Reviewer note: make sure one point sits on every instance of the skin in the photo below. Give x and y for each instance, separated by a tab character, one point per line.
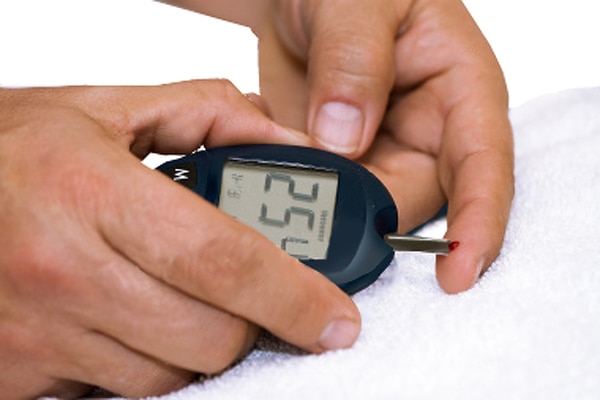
95	275
103	261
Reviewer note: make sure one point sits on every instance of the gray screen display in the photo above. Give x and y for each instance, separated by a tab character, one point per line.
292	206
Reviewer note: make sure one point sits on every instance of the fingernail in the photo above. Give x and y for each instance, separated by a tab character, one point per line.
338	126
478	271
339	334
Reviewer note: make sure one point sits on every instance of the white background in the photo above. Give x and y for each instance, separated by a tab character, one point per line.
544	46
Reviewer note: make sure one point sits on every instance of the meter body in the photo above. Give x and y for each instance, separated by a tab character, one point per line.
328	211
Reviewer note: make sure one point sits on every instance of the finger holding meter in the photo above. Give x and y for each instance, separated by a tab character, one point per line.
328	211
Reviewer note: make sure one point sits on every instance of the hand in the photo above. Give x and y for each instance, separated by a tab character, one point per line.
111	275
413	91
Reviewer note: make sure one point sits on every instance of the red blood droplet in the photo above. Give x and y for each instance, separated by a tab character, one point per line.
453	245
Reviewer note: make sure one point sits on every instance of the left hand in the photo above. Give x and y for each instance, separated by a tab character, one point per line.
413	91
111	274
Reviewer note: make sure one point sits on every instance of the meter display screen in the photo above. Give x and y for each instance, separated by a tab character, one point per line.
292	206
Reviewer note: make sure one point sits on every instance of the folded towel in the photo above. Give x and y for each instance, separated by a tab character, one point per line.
530	329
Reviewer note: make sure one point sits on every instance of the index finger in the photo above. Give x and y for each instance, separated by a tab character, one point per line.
476	170
464	87
479	184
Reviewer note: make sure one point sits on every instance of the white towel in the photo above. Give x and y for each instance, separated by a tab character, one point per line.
530	329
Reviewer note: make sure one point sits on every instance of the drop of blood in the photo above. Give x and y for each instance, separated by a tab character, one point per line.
453	245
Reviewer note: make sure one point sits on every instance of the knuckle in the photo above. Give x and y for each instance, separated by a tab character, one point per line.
26	269
32	273
233	338
364	64
216	95
226	89
38	273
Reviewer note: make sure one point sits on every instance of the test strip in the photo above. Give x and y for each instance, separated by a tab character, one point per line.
418	244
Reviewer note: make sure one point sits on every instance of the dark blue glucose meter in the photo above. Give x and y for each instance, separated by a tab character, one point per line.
328	211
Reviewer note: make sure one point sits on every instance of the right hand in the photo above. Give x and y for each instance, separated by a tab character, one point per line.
113	276
411	90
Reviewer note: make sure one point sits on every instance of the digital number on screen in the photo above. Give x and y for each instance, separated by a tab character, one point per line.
292	206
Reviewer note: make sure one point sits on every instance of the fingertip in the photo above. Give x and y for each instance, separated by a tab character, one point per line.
472	249
343	327
259	103
479	230
289	136
339	334
329	317
459	272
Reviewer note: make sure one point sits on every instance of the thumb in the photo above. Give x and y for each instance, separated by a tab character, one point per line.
177	118
350	72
